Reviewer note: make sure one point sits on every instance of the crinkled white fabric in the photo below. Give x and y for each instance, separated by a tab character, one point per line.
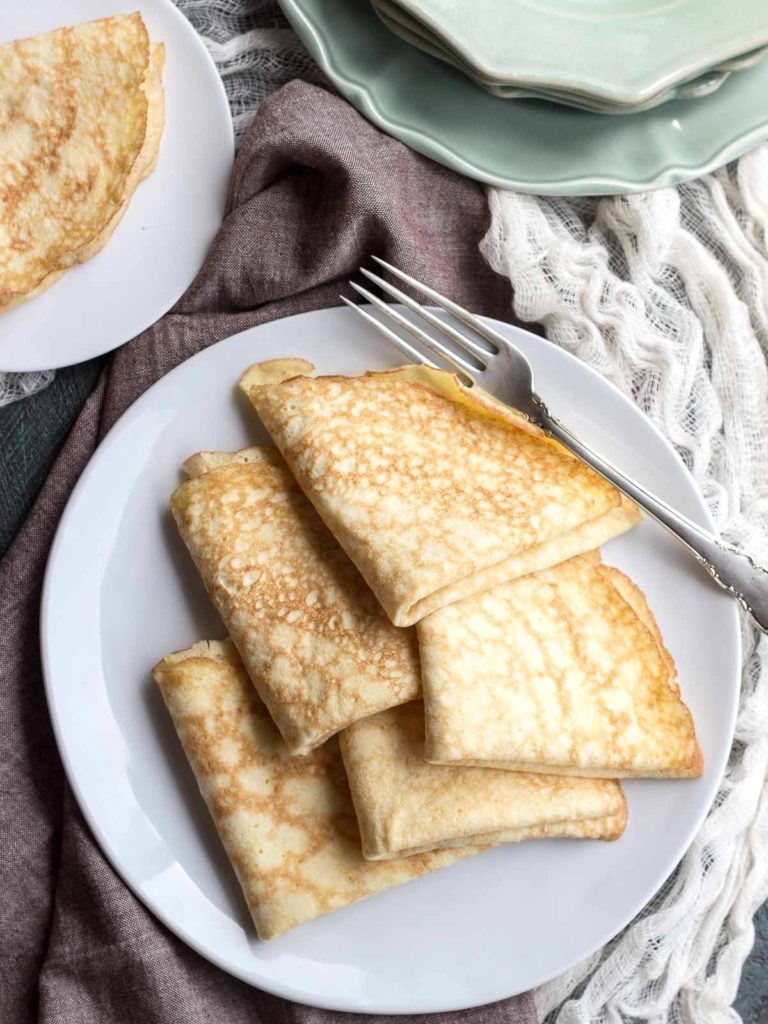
256	52
254	49
14	386
666	295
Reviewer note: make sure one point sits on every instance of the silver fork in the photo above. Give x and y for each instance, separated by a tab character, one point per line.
501	369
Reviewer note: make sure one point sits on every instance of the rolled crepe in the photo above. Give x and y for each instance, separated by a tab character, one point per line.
564	671
434	491
406	806
287	823
319	648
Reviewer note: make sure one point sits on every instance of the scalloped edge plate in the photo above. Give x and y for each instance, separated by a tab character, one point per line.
525	145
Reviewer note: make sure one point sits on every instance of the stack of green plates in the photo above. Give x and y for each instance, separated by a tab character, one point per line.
618	51
606	57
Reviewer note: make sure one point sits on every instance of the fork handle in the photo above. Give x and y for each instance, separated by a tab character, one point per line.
732	569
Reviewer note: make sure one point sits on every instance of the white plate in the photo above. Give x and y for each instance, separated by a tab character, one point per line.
121	591
159	245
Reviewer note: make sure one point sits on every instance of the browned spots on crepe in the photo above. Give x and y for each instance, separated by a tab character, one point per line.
81	115
562	671
318	646
287	822
435	492
405	805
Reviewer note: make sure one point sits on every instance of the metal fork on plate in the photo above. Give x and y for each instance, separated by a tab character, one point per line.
497	366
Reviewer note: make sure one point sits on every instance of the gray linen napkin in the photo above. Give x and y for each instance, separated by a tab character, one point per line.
315	190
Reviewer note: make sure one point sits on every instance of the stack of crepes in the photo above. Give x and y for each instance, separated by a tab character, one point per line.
426	655
81	110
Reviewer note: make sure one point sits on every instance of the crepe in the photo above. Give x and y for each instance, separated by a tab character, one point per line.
319	648
406	806
81	115
435	491
287	823
563	671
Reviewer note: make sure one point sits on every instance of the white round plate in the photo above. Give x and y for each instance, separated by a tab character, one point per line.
121	591
159	245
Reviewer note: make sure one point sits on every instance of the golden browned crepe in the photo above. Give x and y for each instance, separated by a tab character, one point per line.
406	806
435	492
563	671
287	823
319	648
81	115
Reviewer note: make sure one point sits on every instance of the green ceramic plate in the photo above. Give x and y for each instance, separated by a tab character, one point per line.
413	32
620	50
527	145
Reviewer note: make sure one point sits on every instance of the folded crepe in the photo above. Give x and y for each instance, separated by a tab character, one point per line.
435	491
287	823
406	806
82	115
319	648
563	671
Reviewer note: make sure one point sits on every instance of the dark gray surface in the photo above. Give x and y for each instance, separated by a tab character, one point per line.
31	434
752	1000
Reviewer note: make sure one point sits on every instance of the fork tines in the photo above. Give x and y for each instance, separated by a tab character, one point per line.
465	355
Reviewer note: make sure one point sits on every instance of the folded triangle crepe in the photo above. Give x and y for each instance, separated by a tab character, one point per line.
319	648
82	115
563	671
435	491
406	806
287	823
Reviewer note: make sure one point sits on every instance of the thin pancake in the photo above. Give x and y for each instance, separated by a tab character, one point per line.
319	648
406	806
556	672
287	823
81	115
434	491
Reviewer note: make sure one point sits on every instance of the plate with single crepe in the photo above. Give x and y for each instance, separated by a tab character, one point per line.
479	929
101	240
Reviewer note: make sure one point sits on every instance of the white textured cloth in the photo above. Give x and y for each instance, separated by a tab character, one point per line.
14	386
666	295
254	49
